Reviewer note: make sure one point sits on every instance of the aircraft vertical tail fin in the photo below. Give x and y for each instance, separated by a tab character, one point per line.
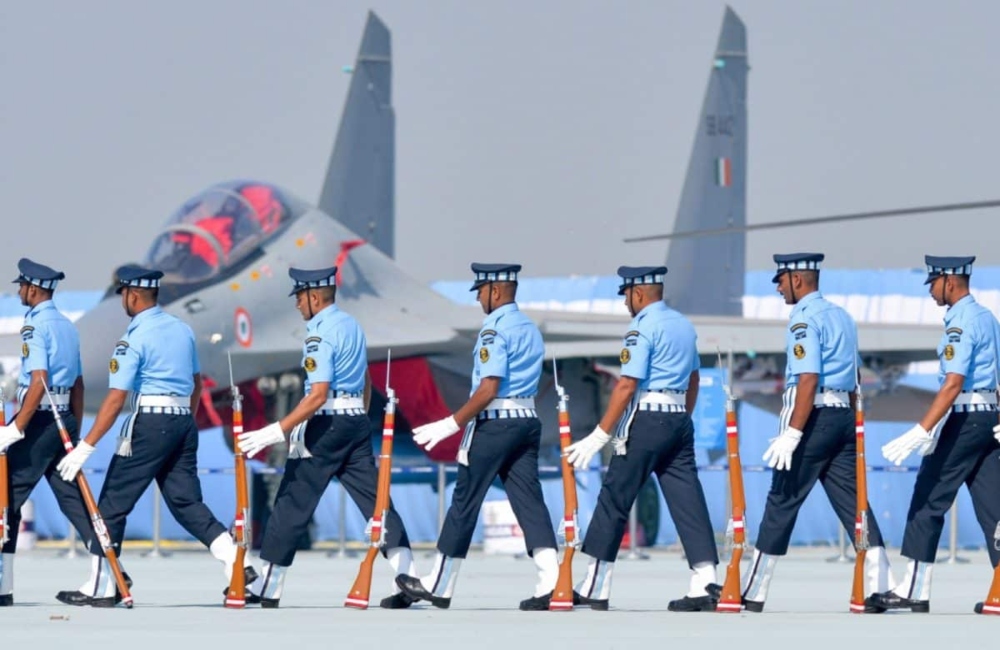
359	187
706	274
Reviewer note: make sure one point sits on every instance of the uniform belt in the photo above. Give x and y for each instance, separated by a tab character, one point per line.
832	398
975	401
663	401
352	405
59	394
164	404
509	407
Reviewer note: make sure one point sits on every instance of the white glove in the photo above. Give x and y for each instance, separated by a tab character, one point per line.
996	432
72	463
916	439
9	435
369	527
779	454
581	452
429	435
253	441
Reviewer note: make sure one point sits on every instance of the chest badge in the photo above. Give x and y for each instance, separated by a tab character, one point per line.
113	366
484	355
309	364
625	356
799	351
949	352
25	350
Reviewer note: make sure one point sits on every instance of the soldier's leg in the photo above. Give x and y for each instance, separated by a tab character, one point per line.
486	455
938	480
181	489
359	477
67	493
678	475
839	481
789	489
124	483
984	488
520	478
26	462
626	476
300	490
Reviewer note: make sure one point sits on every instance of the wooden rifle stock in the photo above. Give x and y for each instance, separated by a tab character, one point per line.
562	595
95	515
360	592
4	481
861	522
731	598
242	536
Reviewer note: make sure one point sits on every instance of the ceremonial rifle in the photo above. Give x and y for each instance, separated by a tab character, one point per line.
731	600
242	526
861	521
562	596
358	596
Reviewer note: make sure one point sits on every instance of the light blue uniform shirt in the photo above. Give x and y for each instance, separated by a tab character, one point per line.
660	349
49	342
157	356
510	348
969	345
335	351
822	339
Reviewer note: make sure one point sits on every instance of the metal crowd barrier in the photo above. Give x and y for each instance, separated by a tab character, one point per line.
441	472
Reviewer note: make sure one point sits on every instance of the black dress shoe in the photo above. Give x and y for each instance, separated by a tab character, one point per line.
688	604
81	599
7	600
715	591
413	588
536	603
593	603
268	603
396	601
889	600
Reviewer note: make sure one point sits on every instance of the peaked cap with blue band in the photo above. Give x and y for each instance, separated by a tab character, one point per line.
312	279
796	262
38	274
132	276
636	275
938	266
493	273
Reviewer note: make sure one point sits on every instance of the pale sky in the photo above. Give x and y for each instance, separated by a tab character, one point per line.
540	132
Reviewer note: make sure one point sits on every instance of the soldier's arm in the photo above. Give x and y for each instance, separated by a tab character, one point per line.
32	398
621	395
805	395
368	389
106	415
944	400
306	408
488	389
76	399
692	391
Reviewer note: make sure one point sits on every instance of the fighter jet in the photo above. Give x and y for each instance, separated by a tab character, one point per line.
226	251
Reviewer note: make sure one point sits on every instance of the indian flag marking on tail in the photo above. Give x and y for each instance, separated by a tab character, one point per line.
723	172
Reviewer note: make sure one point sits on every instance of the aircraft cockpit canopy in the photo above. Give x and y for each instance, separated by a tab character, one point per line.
220	228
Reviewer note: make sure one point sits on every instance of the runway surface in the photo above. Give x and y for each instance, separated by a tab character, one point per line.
178	600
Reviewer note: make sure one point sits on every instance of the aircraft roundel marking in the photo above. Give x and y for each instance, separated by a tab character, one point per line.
243	327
